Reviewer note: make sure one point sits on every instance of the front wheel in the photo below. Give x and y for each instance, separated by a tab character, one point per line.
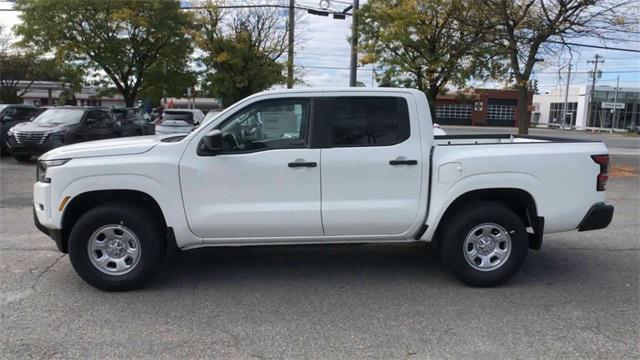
116	246
484	244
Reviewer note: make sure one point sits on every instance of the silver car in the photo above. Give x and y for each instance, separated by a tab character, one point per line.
178	121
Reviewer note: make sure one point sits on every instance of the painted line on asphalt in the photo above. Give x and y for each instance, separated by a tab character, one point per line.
624	151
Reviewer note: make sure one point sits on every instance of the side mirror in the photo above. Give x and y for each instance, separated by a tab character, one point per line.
213	141
90	121
7	118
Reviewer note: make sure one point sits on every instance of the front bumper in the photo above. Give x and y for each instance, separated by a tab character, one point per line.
598	217
54	234
30	148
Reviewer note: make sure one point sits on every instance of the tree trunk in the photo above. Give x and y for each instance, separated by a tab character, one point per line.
431	98
129	99
523	110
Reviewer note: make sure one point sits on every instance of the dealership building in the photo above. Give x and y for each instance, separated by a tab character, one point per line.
610	108
479	107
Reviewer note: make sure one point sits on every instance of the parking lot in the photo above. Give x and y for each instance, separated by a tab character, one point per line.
579	297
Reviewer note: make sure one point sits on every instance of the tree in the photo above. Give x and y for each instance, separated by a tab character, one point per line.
522	31
426	44
122	38
243	52
167	79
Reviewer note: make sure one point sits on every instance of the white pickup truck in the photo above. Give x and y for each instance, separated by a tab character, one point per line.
317	166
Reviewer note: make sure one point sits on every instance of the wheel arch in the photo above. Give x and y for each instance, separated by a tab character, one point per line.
85	201
520	201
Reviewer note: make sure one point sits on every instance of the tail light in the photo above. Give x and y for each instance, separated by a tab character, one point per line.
603	176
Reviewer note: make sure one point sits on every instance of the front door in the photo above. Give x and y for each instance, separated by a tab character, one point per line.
372	168
265	183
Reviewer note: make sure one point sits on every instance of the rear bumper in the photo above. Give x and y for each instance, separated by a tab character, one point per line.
598	217
54	234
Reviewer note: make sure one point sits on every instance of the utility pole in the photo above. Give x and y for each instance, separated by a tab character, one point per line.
566	98
596	59
615	109
291	26
353	73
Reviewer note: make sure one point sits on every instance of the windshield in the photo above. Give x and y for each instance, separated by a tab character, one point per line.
60	116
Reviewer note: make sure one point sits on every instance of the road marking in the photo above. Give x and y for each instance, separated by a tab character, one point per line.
624	151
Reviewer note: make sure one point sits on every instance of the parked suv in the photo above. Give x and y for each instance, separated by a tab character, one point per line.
60	126
10	115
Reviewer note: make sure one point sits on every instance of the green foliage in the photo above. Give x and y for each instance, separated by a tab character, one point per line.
426	44
122	39
18	71
241	54
240	70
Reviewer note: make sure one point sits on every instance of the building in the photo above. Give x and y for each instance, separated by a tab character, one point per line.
611	108
479	107
48	93
203	104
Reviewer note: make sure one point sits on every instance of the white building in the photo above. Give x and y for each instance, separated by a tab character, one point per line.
549	108
47	93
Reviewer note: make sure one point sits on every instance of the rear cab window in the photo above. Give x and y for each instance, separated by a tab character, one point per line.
368	121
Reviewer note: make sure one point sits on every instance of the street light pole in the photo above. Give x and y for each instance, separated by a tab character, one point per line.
291	26
566	98
353	73
615	108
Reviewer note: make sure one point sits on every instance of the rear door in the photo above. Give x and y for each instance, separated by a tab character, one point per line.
371	168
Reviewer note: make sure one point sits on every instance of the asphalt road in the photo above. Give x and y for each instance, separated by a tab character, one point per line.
579	297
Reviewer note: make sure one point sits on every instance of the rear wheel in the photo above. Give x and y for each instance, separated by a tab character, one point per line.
484	244
116	246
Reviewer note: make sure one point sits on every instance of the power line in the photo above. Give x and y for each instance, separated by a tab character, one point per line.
592	46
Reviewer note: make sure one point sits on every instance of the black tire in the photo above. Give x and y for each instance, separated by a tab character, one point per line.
460	224
135	219
22	157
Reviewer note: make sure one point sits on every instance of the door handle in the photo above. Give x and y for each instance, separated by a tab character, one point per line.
403	162
296	164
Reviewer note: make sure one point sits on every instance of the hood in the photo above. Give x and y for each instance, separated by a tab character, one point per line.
120	146
31	126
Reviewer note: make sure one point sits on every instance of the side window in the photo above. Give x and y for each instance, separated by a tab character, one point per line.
22	114
10	111
272	124
369	121
101	119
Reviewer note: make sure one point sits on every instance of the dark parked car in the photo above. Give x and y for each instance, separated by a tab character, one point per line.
10	115
61	126
133	122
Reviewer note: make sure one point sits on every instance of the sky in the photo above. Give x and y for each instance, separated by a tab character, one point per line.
322	53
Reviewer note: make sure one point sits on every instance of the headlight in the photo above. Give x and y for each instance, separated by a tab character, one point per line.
10	132
58	135
43	165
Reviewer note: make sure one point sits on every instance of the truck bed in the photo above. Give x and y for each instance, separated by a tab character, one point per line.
494	139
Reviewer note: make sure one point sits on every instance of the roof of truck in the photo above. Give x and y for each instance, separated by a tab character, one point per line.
341	89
